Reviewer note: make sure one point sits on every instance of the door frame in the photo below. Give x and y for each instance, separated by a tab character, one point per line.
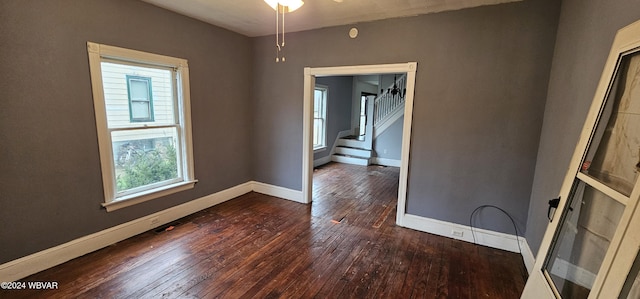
310	74
627	39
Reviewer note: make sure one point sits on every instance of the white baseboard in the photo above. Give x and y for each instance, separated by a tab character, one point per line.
463	232
322	161
285	193
528	257
386	162
25	266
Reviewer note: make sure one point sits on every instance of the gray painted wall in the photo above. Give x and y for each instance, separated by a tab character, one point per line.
358	88
585	33
50	183
480	94
388	145
338	109
479	102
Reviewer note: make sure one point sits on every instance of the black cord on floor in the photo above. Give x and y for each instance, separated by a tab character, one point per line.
503	211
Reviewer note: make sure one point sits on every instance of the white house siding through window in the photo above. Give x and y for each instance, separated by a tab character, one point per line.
140	96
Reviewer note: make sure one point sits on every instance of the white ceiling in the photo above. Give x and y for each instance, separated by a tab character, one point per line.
256	18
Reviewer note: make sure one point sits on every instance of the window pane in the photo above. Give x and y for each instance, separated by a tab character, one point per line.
318	103
583	240
614	158
144	156
319	116
139	90
116	95
140	110
318	132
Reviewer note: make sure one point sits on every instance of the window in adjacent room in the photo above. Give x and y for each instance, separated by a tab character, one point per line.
141	102
320	117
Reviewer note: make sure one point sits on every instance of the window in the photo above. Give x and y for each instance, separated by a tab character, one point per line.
320	117
141	101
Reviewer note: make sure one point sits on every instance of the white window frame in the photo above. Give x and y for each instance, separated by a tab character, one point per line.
322	146
99	52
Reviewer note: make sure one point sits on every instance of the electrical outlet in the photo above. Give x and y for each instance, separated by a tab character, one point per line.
457	233
154	221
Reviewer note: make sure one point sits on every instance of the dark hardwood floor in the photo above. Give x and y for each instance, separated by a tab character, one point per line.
343	245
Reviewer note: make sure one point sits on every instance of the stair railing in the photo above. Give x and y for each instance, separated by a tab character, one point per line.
387	102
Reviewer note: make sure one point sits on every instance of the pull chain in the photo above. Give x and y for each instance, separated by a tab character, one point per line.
279	46
277	33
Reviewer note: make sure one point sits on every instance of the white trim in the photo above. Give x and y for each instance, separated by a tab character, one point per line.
372	69
112	200
483	237
277	191
608	191
355	143
307	150
325	114
406	144
322	161
528	257
25	266
149	195
307	135
327	159
341	134
339	137
320	149
42	260
463	232
355	152
386	162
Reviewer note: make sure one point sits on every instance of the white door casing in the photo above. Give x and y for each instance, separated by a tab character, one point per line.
307	151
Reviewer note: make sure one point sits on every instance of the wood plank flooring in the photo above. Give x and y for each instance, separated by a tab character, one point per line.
343	245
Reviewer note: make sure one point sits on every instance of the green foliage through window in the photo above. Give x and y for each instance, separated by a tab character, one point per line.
144	167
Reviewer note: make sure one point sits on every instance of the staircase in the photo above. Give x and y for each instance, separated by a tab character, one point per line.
350	150
385	110
389	106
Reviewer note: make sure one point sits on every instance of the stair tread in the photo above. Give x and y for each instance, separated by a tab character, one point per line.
353	137
350	160
351	147
350	156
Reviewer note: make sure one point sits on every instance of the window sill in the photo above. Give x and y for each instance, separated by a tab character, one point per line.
137	198
319	149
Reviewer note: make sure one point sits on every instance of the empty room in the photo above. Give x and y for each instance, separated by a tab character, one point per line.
387	149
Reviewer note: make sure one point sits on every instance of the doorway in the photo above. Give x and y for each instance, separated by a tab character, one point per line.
365	98
310	75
